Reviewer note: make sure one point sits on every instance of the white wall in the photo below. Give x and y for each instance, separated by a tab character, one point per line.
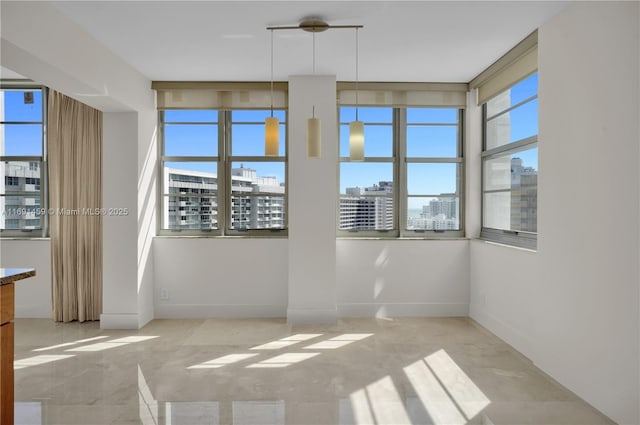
589	204
119	190
312	202
227	277
41	43
220	277
147	201
33	295
402	277
572	307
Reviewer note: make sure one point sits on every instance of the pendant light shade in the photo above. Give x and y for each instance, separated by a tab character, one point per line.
314	137
271	136
356	141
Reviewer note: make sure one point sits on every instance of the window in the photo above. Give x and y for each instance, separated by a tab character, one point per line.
22	161
510	165
410	181
216	178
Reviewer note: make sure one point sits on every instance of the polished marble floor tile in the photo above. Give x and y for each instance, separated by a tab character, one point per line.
262	371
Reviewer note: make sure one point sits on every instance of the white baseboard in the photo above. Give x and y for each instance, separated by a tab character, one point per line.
119	321
403	310
507	333
311	316
205	311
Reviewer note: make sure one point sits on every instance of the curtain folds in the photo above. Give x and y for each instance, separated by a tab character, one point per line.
74	134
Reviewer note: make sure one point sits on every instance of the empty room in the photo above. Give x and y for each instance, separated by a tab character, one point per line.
319	212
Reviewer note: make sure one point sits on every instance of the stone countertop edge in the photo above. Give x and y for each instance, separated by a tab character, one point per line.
10	275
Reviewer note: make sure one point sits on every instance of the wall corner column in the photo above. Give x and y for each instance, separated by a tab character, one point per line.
312	202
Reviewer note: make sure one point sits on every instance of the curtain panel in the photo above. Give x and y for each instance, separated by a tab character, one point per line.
75	202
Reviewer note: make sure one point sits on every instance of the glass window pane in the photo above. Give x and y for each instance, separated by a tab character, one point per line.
20	176
516	94
21	212
191	140
432	115
366	212
248	139
366	114
263	207
257	212
21	139
432	178
514	204
190	212
512	210
258	177
182	177
378	141
433	213
191	116
358	177
366	201
22	105
497	210
511	170
512	126
192	188
432	141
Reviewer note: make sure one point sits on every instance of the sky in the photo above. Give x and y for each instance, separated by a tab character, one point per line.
22	139
431	132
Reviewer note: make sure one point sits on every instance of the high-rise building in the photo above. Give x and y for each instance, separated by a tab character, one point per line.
524	197
256	202
369	208
440	214
21	204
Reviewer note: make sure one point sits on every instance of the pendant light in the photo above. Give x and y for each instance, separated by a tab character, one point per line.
271	124
356	128
313	123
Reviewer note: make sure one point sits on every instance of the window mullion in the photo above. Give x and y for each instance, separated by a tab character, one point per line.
400	189
224	171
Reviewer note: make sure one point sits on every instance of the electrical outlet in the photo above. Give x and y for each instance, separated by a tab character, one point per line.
164	294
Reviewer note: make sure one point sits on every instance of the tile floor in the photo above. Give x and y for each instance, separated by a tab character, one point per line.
262	371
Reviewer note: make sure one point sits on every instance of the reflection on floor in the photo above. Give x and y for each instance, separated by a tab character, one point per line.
262	371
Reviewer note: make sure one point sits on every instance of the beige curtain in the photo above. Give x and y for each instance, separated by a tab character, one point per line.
74	134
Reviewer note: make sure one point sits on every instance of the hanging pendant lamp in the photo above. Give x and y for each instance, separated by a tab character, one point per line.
271	124
314	136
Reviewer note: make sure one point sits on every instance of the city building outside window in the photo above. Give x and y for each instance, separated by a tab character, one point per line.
22	161
216	179
510	165
410	181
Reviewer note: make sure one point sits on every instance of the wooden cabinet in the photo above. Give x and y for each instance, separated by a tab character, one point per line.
7	296
7	312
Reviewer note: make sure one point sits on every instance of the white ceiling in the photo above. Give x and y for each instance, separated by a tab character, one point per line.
228	41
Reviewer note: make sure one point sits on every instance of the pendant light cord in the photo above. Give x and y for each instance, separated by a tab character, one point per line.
356	74
271	73
313	111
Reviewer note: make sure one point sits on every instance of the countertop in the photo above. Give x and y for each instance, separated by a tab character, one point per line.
11	275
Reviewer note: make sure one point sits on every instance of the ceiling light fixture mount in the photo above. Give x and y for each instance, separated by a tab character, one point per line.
313	25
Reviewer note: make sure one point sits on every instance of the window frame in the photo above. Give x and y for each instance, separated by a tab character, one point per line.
224	162
42	209
400	162
517	238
